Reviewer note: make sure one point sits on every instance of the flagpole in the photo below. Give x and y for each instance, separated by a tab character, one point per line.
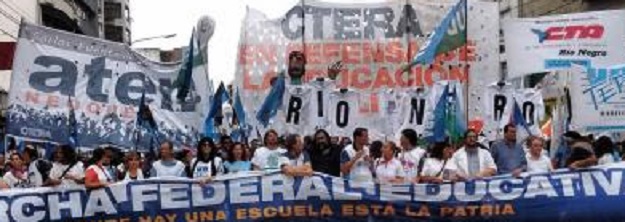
466	57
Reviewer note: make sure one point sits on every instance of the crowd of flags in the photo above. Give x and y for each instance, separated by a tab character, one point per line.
450	121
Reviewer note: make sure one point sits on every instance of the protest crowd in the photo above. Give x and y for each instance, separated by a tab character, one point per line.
392	111
405	161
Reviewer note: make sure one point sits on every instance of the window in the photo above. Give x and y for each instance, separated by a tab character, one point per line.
114	33
112	11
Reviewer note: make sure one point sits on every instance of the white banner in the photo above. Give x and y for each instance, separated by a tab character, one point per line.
553	42
104	81
598	103
374	42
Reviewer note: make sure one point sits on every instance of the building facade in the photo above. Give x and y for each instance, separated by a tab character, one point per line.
117	21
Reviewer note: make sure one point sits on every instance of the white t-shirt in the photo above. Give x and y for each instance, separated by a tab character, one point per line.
533	108
57	170
390	110
139	176
544	152
361	170
34	176
320	102
296	109
204	169
385	172
176	169
433	167
542	165
410	161
267	159
606	159
344	113
16	182
289	160
498	103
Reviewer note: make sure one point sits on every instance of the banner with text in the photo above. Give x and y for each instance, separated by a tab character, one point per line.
554	42
587	195
65	84
599	98
374	41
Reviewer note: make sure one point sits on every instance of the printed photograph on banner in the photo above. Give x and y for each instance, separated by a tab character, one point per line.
373	54
62	92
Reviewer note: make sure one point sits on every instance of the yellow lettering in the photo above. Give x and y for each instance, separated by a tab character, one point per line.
285	211
460	212
312	212
486	210
347	210
206	216
300	211
326	210
270	212
362	210
191	217
171	217
255	213
389	210
145	219
472	210
221	215
424	211
241	214
446	211
507	209
159	219
376	209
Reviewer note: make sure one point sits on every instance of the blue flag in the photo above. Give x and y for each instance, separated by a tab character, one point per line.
518	120
449	35
183	81
145	121
219	98
72	125
239	110
440	117
272	102
457	120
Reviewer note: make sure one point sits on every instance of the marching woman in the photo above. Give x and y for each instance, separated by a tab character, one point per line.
388	169
237	160
536	161
207	164
17	177
132	169
66	169
434	166
96	175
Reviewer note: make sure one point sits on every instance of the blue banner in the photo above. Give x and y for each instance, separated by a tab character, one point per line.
588	195
89	90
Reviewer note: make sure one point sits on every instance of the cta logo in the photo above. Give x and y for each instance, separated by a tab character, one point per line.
569	32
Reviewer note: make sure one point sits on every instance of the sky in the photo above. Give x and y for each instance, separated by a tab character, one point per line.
161	17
